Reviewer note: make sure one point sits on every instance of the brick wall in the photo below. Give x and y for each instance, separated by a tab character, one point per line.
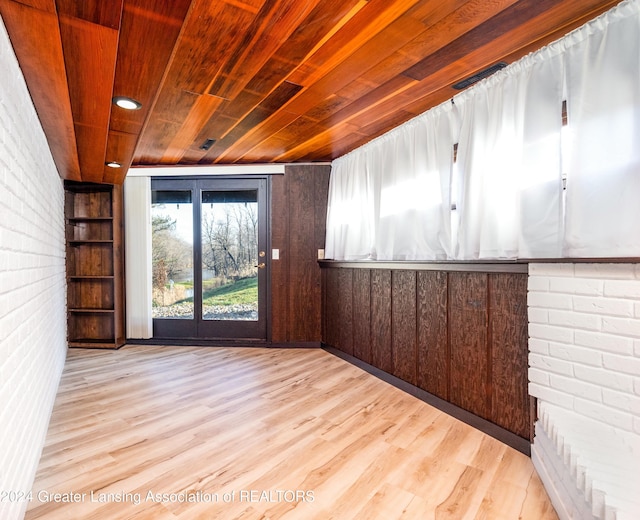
32	284
584	358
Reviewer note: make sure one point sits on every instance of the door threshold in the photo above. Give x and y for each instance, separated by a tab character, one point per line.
201	342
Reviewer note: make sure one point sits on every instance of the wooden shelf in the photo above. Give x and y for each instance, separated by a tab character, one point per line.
81	242
94	343
93	311
91	277
89	219
95	270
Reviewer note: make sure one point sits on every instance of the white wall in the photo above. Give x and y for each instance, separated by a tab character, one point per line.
584	328
32	284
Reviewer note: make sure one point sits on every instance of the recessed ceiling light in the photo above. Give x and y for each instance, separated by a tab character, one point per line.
127	103
113	164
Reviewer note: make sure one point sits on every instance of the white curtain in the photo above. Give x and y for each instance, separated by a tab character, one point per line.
137	218
509	163
390	200
350	212
603	105
414	219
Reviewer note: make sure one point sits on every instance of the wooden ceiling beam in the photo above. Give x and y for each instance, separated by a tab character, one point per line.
364	25
202	50
90	59
148	36
275	23
97	12
36	40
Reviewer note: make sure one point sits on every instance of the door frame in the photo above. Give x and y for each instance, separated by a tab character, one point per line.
189	331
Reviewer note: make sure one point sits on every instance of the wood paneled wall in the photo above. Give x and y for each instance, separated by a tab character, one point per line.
461	336
298	220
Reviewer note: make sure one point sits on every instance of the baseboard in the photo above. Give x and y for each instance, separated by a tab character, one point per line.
296	344
197	342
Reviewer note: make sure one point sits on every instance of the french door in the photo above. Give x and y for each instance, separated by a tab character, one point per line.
210	266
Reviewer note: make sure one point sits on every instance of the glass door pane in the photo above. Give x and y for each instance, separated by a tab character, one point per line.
172	254
229	241
210	271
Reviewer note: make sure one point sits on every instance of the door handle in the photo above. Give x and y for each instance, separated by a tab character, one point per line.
261	265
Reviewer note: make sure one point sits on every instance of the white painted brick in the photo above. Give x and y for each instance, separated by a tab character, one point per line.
571	353
604	414
577	388
32	283
622	289
625	402
624	364
549	300
605	342
549	332
636	425
538	346
607	306
551	269
550	364
538	283
540	377
605	271
538	315
574	320
552	396
583	286
621	326
605	378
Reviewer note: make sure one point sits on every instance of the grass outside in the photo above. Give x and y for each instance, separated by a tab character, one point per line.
244	291
240	292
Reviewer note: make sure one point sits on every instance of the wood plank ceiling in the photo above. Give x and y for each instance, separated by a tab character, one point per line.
268	80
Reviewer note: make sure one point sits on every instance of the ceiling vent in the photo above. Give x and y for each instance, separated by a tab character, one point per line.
207	144
479	75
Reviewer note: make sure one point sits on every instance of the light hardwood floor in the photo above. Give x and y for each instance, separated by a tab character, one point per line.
256	433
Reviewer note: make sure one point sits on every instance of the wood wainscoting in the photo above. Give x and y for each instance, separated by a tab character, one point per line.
456	332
